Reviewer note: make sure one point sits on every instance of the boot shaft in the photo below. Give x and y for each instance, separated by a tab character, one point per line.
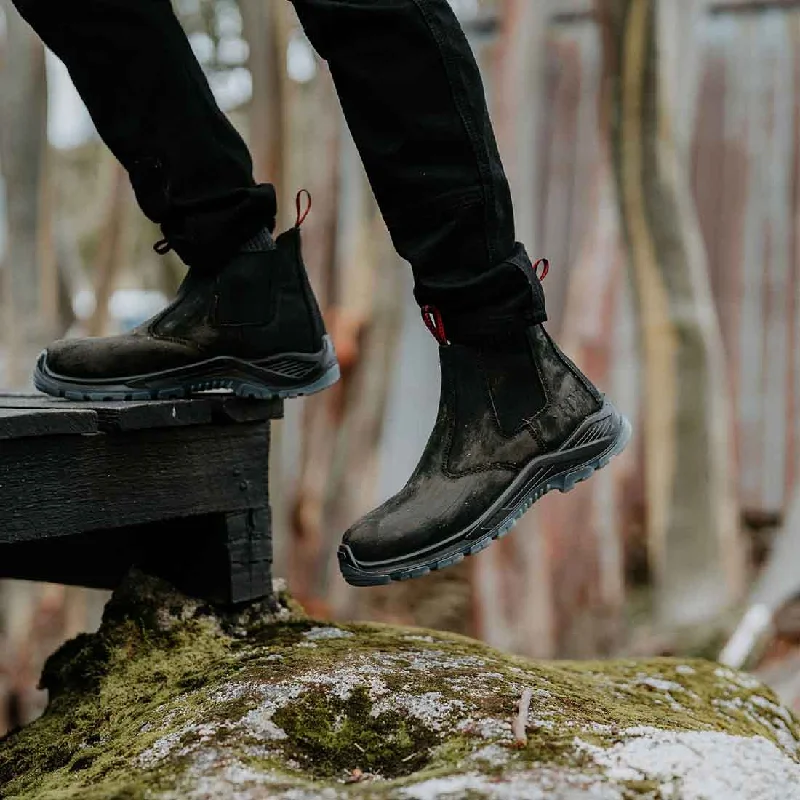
261	303
527	388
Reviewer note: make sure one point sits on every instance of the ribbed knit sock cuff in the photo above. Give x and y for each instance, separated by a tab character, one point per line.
260	243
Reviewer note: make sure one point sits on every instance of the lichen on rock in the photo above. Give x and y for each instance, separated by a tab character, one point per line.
175	700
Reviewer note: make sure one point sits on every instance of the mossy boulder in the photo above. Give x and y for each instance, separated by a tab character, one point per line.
172	699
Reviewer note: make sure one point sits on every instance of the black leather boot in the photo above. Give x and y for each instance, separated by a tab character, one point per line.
254	328
514	423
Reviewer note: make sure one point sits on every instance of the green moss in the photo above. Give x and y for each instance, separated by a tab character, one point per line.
642	790
332	736
167	679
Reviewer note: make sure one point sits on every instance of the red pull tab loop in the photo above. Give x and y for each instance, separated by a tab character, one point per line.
302	215
544	263
432	318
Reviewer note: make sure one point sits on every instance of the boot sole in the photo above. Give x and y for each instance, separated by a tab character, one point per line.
601	437
282	376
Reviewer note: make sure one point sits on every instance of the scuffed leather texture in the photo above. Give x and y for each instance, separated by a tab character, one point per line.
483	435
117	356
570	396
433	504
259	305
497	411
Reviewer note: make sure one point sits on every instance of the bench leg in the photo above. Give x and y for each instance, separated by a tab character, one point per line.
224	558
248	554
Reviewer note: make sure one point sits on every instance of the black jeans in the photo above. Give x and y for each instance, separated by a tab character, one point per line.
413	99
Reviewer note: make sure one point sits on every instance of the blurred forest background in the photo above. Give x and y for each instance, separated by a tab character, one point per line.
654	152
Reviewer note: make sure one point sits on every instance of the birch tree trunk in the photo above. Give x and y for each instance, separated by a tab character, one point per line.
110	249
513	605
23	146
263	30
696	550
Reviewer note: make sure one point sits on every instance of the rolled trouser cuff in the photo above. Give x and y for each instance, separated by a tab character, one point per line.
502	315
210	232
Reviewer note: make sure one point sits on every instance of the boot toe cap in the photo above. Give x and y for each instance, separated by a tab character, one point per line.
114	357
423	517
370	540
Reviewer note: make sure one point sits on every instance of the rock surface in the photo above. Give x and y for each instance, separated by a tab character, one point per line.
171	700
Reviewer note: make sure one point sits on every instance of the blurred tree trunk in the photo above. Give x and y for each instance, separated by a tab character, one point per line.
265	33
343	428
30	287
518	72
34	619
514	608
590	570
696	551
110	247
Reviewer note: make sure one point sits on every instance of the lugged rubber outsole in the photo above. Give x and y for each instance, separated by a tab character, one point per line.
239	388
181	388
564	483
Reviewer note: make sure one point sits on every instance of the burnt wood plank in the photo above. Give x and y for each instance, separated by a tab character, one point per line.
225	558
123	416
139	415
237	409
96	560
248	553
105	481
159	414
19	423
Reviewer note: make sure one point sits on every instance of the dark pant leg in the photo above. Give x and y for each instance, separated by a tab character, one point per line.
414	101
135	70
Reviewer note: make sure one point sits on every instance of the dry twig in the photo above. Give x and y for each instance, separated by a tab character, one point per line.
519	722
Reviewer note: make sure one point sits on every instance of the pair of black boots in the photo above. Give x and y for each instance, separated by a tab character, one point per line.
516	419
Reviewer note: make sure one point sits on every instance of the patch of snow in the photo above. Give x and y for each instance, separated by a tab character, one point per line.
685	669
427	660
701	765
429	708
211	774
487	728
159	750
493	754
166	745
740	679
344	681
233	691
436	788
658	683
596	727
259	721
308	794
544	784
773	708
315	634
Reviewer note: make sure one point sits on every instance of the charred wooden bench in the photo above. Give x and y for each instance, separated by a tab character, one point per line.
177	488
